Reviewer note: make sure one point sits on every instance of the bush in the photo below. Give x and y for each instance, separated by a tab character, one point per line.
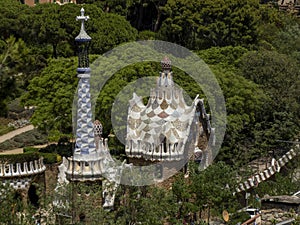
30	149
19	158
15	106
4	128
50	158
147	35
239	217
62	148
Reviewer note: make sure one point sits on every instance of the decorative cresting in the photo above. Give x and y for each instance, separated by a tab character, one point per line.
18	175
166	128
89	169
10	170
85	142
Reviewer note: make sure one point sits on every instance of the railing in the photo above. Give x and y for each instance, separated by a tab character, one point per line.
266	174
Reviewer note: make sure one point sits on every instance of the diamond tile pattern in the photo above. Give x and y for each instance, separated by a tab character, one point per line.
85	140
160	130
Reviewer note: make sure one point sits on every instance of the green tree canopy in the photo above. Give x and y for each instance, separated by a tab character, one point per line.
16	63
278	75
52	94
109	30
10	18
202	24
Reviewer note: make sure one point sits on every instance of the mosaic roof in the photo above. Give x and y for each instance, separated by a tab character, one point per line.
162	129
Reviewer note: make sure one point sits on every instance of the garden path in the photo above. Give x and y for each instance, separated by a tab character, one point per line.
13	133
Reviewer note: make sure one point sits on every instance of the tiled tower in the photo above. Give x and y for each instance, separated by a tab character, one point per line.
90	162
85	140
86	163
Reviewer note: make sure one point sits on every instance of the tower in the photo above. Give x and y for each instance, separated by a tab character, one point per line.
89	161
85	140
85	164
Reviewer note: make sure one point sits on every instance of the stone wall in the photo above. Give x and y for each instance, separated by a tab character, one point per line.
272	216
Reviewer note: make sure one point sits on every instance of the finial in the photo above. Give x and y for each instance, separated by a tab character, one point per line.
82	17
83	36
166	64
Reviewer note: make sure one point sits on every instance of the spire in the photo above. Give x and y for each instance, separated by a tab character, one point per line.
83	43
82	36
85	138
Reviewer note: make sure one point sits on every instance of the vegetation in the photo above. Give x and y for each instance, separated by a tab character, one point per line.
4	128
29	138
19	158
253	50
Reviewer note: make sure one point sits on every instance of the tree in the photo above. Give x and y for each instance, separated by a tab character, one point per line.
46	26
214	186
109	30
244	100
278	75
15	62
52	94
280	32
10	22
202	24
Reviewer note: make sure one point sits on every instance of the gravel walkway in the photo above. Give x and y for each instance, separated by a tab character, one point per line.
11	134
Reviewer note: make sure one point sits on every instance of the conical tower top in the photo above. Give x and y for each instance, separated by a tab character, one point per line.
82	36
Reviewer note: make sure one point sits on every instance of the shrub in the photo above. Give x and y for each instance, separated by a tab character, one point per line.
63	149
19	158
239	217
50	158
4	128
147	35
30	149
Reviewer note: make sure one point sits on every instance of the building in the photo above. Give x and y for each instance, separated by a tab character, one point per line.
166	129
34	2
88	165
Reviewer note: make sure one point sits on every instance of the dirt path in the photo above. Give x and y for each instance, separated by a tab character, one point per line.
11	134
13	151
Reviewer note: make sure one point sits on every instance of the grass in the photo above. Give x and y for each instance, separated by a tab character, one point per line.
4	129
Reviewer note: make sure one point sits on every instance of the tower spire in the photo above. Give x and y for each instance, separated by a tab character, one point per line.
85	139
83	42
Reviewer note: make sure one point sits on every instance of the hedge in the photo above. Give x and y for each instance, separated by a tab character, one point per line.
30	149
49	158
19	158
61	149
